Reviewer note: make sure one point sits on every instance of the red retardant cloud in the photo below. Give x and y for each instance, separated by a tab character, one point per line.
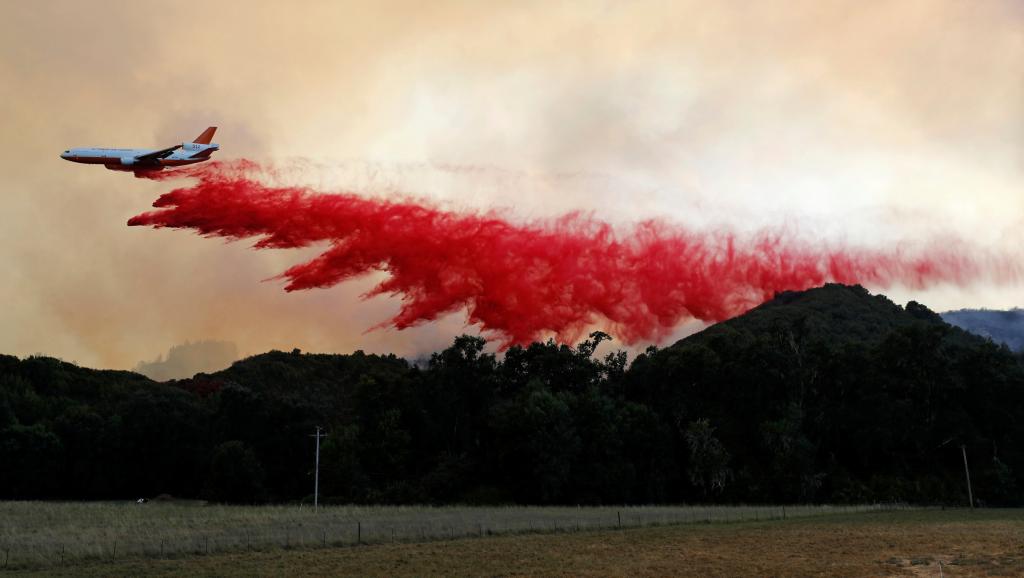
525	281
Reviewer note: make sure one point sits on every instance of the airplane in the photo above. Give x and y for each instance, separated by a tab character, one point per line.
147	160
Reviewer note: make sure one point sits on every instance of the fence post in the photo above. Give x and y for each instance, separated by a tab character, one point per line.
113	553
359	532
620	519
161	548
207	544
62	554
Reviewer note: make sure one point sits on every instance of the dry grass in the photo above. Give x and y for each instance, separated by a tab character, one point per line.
904	543
55	534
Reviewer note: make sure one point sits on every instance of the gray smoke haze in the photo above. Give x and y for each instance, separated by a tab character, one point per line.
188	359
859	122
999	326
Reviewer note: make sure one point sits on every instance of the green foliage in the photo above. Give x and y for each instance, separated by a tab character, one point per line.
235	476
830	394
709	460
30	455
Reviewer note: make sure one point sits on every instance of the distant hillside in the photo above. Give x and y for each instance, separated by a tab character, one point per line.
830	394
832	312
188	359
1000	326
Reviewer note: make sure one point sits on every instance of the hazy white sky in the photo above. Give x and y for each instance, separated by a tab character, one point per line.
861	122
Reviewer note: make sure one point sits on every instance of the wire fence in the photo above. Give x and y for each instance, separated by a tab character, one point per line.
76	539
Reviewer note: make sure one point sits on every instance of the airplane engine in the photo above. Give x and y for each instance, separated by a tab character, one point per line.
127	161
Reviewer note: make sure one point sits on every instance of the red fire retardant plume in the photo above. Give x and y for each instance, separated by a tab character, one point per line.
525	281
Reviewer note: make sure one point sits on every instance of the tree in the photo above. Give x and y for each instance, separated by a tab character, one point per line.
235	475
31	457
537	444
341	474
709	460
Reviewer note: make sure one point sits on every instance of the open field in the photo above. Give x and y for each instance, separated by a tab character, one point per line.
55	534
893	543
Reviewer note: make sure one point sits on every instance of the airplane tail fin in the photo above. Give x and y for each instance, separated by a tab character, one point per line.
206	137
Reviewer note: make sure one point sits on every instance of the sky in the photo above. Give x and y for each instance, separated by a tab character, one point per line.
866	123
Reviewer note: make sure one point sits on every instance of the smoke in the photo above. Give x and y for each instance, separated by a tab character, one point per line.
1000	326
185	360
522	281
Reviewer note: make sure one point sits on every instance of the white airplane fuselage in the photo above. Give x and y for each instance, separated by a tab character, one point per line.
146	160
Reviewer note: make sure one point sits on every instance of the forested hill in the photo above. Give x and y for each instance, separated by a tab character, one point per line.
830	394
833	312
1000	326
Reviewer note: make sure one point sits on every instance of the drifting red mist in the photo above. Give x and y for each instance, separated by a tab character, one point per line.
525	281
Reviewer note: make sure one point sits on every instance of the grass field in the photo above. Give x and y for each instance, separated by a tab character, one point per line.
56	534
892	543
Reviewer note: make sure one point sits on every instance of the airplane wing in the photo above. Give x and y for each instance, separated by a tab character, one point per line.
162	153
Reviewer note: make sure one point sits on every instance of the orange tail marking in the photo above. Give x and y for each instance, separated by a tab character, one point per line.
207	136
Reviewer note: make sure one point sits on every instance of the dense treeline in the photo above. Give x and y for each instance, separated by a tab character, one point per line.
825	395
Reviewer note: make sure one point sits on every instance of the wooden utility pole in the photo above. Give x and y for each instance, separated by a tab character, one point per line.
967	472
316	474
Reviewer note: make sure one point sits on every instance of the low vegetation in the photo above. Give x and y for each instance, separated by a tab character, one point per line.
928	542
54	534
